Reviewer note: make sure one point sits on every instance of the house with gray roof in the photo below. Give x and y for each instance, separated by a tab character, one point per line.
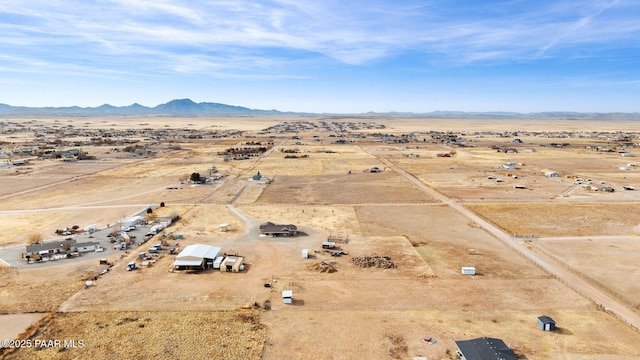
484	348
271	229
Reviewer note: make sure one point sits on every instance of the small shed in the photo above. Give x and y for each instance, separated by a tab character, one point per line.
305	253
287	297
546	323
468	270
223	227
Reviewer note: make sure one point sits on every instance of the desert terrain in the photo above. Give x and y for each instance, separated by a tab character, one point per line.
547	212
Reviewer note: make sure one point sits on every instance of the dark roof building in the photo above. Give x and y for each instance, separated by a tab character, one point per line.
271	229
484	348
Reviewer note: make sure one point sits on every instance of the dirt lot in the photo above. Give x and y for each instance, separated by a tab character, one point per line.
621	274
563	218
354	312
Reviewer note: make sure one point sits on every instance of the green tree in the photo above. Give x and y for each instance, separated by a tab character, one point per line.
195	177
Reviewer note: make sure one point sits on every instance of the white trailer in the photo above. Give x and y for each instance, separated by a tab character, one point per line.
468	270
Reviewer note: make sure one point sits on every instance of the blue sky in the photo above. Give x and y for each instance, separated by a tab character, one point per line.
324	55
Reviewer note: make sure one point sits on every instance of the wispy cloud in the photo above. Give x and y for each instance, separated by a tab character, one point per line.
193	36
576	26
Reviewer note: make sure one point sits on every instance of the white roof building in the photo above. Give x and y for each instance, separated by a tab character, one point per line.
195	255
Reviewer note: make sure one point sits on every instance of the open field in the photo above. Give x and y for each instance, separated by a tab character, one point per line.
410	212
621	275
568	219
174	335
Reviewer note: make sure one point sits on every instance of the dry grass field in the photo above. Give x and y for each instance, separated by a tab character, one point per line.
350	312
149	334
564	218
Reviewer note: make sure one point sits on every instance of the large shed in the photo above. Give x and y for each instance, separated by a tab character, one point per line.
196	256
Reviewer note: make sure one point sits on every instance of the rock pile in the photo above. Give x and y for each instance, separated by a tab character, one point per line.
323	267
383	262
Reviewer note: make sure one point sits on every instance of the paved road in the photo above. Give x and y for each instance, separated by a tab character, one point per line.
549	265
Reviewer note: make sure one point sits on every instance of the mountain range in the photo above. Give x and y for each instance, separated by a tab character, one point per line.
187	107
173	107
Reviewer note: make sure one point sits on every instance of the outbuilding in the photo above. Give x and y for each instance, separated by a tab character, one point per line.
546	323
328	245
468	270
232	264
287	297
86	246
196	256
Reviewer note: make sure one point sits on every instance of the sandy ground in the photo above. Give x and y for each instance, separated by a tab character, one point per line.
14	324
352	313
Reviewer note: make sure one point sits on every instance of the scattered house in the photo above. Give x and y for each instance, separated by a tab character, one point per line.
50	248
628	187
305	253
607	189
131	266
287	297
517	141
223	227
546	323
519	186
625	154
551	174
511	151
90	246
375	169
198	256
468	270
271	229
484	348
232	264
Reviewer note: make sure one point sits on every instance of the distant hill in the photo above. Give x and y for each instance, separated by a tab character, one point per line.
186	107
173	107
